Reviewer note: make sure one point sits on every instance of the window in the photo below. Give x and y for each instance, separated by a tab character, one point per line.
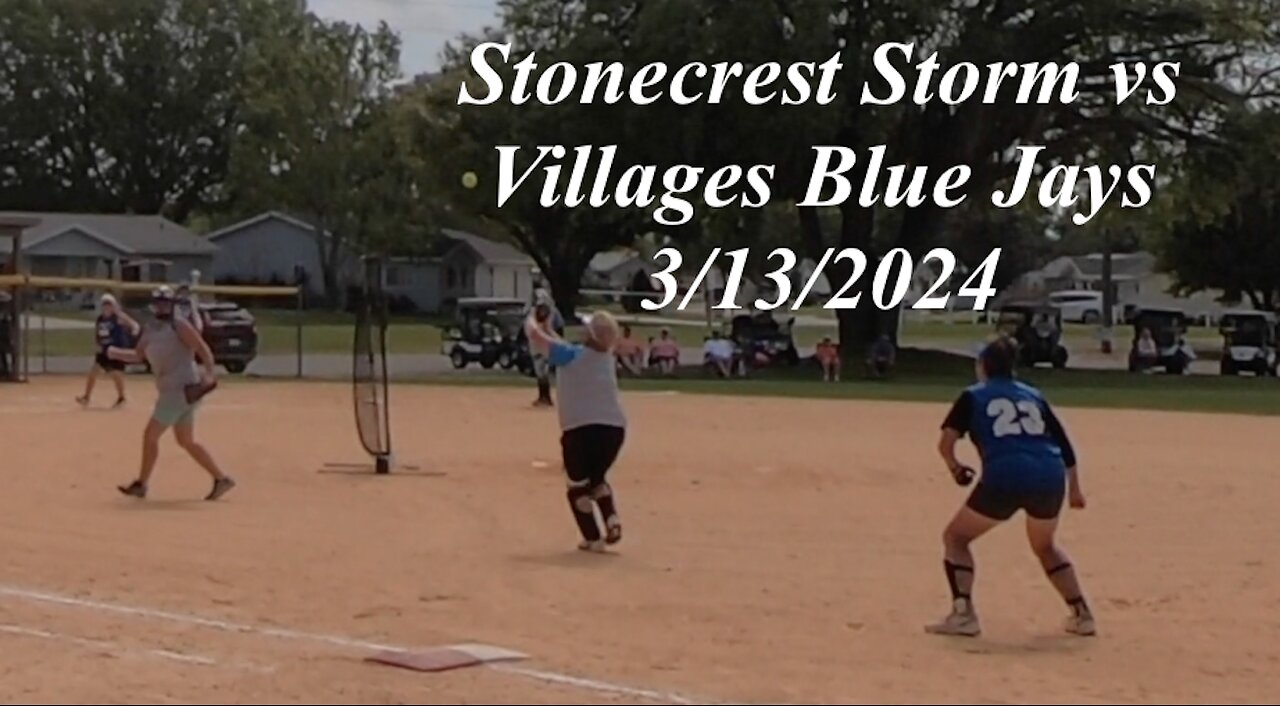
451	278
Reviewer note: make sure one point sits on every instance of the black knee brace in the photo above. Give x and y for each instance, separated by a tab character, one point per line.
584	512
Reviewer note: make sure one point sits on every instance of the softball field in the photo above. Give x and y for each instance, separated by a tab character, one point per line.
776	551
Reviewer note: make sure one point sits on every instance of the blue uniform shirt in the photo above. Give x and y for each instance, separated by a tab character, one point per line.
1022	444
110	332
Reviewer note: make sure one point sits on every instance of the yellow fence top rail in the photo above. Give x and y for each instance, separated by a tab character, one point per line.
37	282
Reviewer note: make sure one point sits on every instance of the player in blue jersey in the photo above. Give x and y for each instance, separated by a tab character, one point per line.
112	328
1027	464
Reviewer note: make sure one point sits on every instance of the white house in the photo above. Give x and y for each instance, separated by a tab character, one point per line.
1135	278
461	265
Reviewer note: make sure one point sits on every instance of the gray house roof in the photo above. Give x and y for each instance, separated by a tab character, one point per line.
609	260
1123	265
269	215
126	234
491	251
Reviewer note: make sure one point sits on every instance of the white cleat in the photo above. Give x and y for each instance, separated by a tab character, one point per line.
596	547
1082	625
959	624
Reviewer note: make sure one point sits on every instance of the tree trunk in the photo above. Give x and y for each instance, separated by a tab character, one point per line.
860	326
565	279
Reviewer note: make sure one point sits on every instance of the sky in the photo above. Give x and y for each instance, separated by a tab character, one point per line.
424	25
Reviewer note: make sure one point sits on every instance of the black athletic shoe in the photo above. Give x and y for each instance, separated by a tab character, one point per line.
220	488
135	489
613	531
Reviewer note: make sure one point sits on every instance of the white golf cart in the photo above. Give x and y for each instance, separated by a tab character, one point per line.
1248	342
488	331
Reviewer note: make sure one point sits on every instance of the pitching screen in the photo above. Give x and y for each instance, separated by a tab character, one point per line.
369	371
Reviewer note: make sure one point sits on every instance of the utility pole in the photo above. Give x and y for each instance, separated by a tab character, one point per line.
1108	294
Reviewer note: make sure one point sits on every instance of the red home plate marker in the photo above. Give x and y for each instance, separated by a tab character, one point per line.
443	659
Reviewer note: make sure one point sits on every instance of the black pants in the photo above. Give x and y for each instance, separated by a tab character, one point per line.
589	452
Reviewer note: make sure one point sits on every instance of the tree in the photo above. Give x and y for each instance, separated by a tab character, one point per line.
462	139
1205	35
328	139
1229	242
123	105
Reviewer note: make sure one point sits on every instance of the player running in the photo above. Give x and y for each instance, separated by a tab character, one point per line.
592	423
113	328
1027	464
171	346
549	320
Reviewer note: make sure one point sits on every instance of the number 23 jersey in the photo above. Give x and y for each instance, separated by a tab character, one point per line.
1022	444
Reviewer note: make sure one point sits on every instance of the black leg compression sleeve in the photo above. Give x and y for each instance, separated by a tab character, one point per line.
952	571
583	513
603	495
544	389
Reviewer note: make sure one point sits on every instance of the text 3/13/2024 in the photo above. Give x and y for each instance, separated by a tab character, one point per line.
891	282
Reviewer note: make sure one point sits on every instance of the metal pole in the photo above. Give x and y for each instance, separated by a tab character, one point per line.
1108	295
26	341
298	330
44	346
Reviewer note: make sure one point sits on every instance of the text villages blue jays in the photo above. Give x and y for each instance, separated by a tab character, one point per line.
589	176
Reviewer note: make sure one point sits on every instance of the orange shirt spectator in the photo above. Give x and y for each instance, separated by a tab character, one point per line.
828	357
665	353
827	351
630	352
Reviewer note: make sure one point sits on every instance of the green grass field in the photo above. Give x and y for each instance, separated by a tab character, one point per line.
923	375
927	376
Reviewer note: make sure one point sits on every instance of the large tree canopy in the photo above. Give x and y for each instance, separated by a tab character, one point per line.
124	105
1226	237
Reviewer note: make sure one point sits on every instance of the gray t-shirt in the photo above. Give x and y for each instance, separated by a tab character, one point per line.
172	362
586	386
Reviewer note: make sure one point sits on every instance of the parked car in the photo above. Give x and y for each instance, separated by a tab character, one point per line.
230	331
1078	305
232	335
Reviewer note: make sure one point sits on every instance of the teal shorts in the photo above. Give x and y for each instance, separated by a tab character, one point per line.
174	411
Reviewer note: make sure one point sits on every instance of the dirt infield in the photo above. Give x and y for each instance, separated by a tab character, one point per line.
776	550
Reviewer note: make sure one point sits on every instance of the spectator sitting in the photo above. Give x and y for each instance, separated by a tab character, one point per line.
717	354
1147	353
664	353
828	356
1186	351
881	357
629	352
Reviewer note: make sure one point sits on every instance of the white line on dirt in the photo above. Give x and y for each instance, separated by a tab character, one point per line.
109	646
549	677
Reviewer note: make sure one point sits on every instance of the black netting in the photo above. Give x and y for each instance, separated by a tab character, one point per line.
369	375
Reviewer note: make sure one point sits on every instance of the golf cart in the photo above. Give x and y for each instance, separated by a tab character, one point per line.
762	341
488	331
1037	327
1248	342
1167	327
